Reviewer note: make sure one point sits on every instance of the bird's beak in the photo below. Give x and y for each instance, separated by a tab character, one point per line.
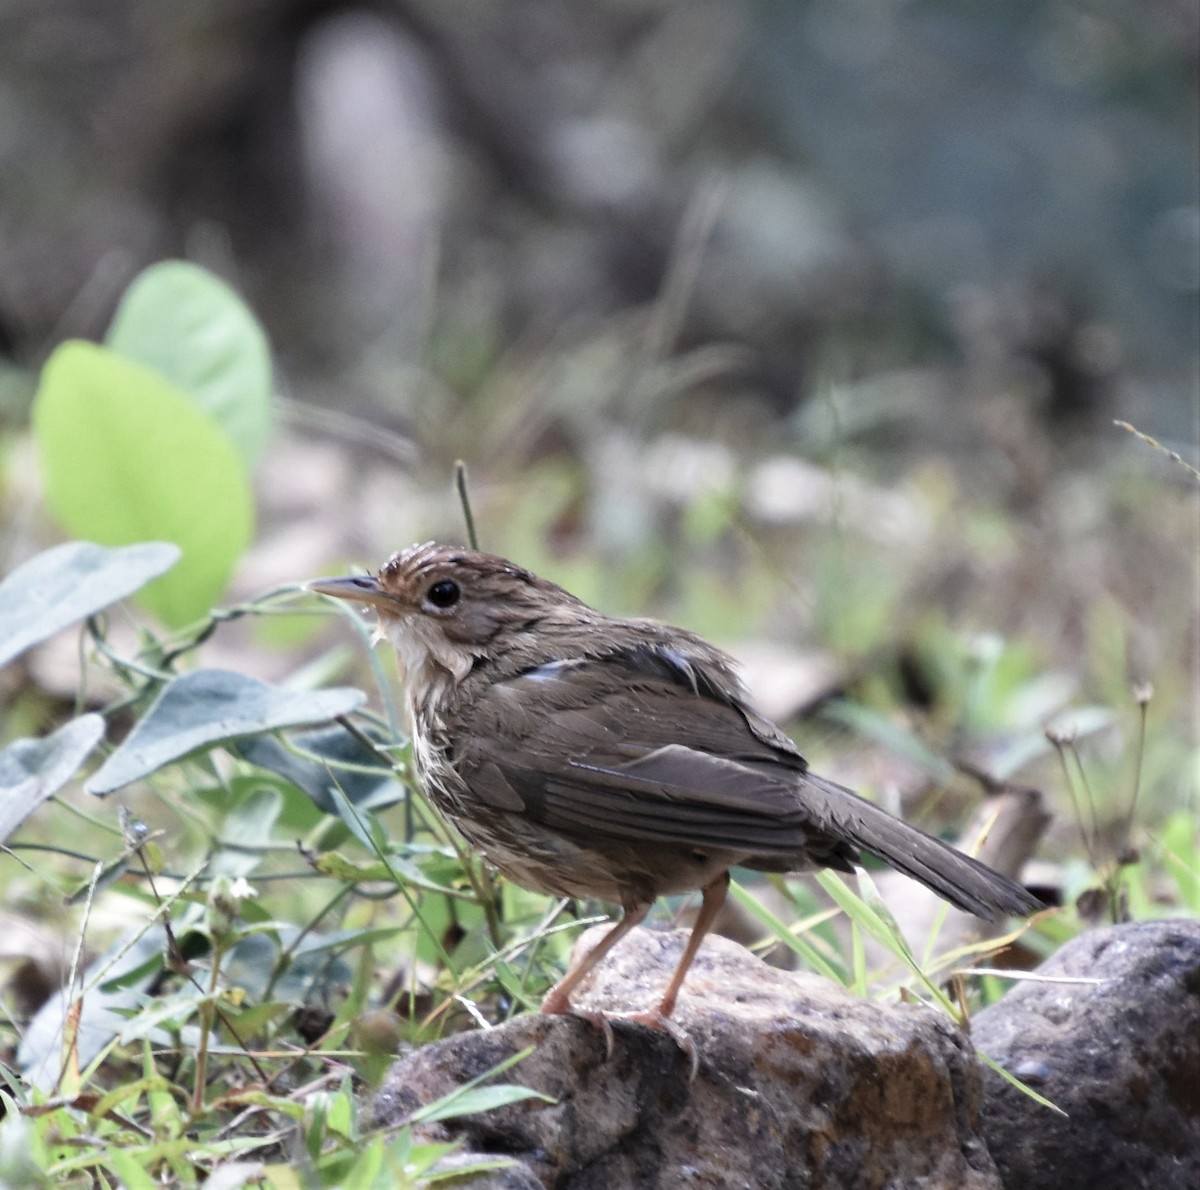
358	588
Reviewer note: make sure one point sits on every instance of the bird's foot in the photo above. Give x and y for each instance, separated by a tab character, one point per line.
558	1003
655	1018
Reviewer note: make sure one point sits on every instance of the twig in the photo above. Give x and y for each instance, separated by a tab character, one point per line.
460	482
1154	442
1143	693
355	430
683	268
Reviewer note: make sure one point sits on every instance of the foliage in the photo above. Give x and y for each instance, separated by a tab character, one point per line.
192	329
190	1043
266	909
169	1054
154	436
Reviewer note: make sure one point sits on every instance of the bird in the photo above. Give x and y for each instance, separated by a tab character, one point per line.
591	756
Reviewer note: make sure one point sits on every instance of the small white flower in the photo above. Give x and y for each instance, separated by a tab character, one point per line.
241	888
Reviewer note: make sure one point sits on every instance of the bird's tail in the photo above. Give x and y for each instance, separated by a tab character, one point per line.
961	880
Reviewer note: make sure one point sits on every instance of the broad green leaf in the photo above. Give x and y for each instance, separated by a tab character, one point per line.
198	710
33	770
70	582
114	986
196	332
339	760
128	457
256	965
254	816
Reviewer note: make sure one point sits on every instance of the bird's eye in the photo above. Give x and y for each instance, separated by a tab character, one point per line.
444	594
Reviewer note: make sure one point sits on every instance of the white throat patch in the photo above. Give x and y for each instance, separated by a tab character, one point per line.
419	642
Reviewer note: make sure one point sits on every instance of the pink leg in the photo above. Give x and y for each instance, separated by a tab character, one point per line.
558	998
659	1017
714	898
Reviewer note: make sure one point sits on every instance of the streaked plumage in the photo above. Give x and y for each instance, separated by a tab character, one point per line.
592	756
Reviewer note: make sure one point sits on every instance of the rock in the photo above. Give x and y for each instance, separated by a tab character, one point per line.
1121	1057
799	1084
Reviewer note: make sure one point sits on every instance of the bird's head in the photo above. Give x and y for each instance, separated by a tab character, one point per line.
452	606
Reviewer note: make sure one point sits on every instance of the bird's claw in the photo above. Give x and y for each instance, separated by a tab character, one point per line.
561	1006
602	1022
655	1018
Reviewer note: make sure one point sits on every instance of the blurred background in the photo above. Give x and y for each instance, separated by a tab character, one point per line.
804	324
801	322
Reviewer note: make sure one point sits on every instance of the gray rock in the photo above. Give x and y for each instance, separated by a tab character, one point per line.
1120	1057
799	1084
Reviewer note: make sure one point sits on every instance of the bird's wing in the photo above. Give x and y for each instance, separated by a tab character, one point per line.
636	748
632	748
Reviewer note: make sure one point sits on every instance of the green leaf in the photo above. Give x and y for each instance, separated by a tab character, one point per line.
339	760
1012	1079
479	1099
779	929
473	1097
113	987
154	1013
129	1168
128	457
194	331
309	973
876	920
391	869
208	707
1180	846
70	582
33	770
254	816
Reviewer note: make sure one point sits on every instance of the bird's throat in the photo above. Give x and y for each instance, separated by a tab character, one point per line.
425	655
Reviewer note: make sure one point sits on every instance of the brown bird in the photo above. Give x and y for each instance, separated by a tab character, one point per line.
590	756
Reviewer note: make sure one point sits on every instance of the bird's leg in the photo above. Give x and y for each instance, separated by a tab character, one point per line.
558	998
660	1016
714	898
